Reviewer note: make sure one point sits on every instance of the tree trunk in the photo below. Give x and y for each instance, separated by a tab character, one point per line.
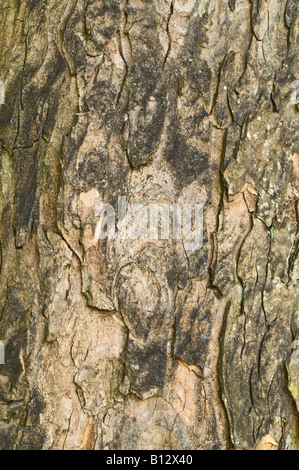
133	342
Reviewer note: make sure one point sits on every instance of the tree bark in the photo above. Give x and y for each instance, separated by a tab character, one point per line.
144	344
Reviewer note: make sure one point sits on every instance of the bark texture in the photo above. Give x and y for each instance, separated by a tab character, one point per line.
142	345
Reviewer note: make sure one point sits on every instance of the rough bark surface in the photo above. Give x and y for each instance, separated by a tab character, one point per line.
142	345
